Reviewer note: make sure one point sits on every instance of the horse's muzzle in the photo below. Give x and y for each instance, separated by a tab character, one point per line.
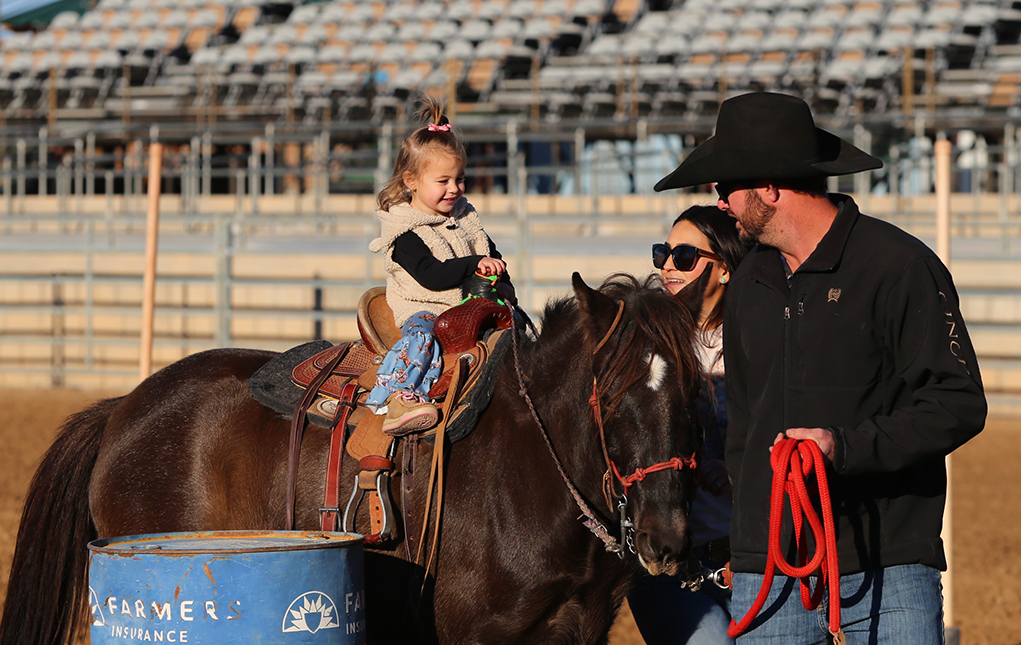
663	550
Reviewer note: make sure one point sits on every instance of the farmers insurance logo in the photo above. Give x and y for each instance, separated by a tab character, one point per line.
310	612
98	619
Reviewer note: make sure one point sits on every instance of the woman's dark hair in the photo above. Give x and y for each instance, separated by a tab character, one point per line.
721	231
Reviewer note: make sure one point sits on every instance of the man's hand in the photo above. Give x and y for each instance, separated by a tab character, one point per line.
821	436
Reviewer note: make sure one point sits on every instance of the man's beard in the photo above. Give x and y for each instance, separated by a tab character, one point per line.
757	216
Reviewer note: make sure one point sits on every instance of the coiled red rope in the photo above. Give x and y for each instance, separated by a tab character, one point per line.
792	461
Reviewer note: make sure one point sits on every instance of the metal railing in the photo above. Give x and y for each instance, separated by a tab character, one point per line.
593	198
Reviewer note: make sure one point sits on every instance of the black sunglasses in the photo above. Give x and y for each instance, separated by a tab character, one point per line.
685	256
726	188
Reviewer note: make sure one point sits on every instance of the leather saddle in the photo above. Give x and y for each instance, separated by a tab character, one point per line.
458	330
338	379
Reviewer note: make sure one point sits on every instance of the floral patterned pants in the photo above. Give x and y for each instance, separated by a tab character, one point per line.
413	364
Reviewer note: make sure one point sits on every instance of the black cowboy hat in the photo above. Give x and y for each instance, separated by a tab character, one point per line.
765	136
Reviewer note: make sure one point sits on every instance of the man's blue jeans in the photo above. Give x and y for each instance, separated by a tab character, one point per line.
902	605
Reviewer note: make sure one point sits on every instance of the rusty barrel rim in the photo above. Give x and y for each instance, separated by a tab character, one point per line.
201	542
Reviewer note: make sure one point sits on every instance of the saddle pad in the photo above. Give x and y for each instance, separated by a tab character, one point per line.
272	387
466	415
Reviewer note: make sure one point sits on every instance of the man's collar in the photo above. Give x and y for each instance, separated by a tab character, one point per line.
830	249
768	262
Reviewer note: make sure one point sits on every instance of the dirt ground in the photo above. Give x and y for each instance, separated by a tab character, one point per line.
987	512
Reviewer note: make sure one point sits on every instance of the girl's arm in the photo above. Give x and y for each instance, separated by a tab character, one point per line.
415	257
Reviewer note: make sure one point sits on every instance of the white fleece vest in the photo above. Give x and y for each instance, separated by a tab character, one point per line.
457	236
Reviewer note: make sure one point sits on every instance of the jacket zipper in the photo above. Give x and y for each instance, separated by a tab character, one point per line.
788	342
785	374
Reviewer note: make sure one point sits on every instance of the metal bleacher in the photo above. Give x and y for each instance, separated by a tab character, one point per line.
564	57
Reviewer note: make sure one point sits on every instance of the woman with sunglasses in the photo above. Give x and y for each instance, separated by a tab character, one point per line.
703	238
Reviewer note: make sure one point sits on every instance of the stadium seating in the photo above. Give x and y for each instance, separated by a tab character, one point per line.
584	58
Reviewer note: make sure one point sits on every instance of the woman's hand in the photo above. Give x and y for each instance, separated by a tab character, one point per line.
491	266
715	479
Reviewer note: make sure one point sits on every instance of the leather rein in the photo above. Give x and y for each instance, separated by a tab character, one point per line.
591	521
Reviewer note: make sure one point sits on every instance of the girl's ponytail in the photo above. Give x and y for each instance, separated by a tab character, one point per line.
436	136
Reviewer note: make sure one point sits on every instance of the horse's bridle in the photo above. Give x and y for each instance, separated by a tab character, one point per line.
610	494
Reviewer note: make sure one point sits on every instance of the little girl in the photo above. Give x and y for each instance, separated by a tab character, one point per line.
432	243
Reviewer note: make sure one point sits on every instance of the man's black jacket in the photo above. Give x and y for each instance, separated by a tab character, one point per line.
868	340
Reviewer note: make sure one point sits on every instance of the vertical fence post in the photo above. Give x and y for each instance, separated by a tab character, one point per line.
863	180
194	171
207	163
152	221
239	193
137	189
21	152
79	175
1007	182
579	151
253	175
62	185
8	197
384	165
942	151
108	180
57	354
222	277
524	243
90	249
90	165
321	182
44	161
270	160
512	157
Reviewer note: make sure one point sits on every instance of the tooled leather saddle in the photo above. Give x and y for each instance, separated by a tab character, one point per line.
337	379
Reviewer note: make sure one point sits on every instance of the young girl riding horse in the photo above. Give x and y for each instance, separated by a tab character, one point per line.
432	243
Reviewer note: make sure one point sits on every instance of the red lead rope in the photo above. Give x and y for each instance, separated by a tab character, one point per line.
792	461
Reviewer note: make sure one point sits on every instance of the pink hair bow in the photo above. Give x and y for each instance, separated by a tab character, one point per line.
439	128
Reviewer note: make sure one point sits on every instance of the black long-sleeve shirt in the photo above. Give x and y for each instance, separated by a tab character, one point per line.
411	252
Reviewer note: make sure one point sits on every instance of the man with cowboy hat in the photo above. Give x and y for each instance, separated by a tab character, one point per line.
843	330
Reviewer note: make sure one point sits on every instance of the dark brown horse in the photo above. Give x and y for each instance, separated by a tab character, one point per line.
189	449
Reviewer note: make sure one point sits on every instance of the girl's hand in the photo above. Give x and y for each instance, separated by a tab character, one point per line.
491	266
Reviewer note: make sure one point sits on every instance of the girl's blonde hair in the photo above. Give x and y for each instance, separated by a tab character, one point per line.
417	149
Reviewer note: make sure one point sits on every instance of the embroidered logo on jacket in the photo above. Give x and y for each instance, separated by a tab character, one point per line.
833	295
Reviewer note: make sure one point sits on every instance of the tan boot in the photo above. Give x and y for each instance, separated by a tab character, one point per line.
407	413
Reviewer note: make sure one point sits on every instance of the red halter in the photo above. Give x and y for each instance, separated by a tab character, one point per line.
674	463
609	490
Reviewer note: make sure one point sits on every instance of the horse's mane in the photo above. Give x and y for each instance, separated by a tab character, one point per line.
653	322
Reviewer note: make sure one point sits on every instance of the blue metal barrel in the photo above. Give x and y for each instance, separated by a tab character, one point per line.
218	587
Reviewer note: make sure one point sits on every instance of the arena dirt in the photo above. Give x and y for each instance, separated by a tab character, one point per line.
987	512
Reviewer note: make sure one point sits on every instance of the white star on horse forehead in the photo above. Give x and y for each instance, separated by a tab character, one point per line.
657	370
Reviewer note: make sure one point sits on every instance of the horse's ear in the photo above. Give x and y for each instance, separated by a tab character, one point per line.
597	311
692	295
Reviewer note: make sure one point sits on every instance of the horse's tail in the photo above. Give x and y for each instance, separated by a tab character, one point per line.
47	590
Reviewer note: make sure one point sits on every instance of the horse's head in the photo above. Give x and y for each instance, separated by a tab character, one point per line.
647	376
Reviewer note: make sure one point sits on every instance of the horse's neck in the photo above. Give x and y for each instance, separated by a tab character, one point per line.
559	391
